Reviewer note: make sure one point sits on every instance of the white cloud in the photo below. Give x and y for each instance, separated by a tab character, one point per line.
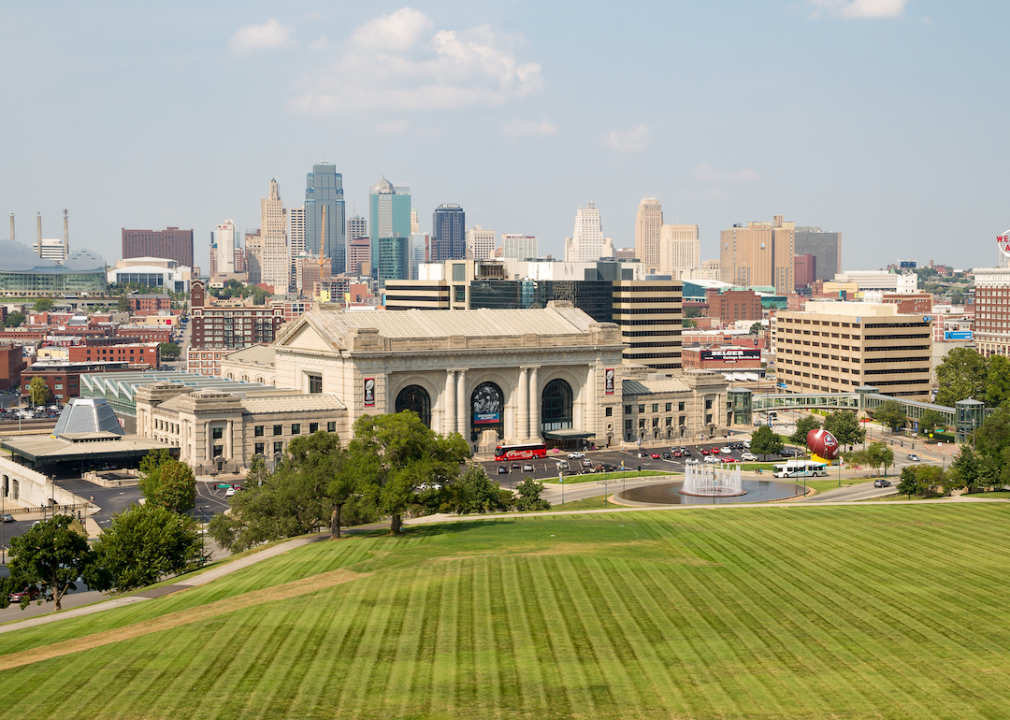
320	43
865	9
634	140
528	128
707	173
268	36
399	61
393	127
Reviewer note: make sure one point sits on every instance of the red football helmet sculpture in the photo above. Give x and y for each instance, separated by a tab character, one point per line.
823	444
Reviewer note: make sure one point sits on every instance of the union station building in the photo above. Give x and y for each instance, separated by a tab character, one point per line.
494	376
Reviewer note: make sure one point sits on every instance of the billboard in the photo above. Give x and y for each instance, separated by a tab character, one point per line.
369	392
609	382
487	418
957	335
730	355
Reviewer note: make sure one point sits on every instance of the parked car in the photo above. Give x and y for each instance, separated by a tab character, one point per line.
517	466
913	457
691	461
881	483
528	467
655	456
704	451
502	470
643	454
748	455
678	453
746	444
31	592
711	459
667	456
714	451
587	463
726	449
7	517
575	456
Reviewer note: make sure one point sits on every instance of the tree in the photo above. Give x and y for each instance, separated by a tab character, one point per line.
930	420
909	482
528	497
167	482
997	385
395	454
755	329
845	426
475	492
38	391
693	312
803	426
15	319
52	555
319	465
877	455
765	441
963	374
145	543
124	304
170	351
890	415
43	304
259	296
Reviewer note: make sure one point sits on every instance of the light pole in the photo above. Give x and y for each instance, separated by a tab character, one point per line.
561	479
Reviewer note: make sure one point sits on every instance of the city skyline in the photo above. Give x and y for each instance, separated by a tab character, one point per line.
851	149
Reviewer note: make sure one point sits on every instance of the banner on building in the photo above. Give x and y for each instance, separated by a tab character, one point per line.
609	382
369	392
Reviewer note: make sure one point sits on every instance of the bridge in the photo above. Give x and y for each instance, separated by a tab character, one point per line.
965	417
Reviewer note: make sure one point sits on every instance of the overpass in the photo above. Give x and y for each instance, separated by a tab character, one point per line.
965	417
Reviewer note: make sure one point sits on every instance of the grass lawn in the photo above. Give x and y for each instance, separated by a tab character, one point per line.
743	613
614	476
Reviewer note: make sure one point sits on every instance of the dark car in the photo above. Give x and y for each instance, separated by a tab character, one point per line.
517	466
667	456
789	452
643	454
881	483
502	470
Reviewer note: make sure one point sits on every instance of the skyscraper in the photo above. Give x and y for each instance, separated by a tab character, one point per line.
523	247
357	227
389	207
325	186
274	230
647	233
679	250
759	254
254	255
417	253
479	243
586	242
171	243
224	235
415	225
825	246
448	233
296	231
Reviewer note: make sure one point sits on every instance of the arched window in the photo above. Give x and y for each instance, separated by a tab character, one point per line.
415	398
556	407
487	410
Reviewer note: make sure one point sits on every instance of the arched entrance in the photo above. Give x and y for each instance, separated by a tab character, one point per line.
487	410
416	399
556	411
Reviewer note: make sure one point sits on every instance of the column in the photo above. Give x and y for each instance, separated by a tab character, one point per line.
208	443
449	403
461	413
534	404
229	442
523	418
590	405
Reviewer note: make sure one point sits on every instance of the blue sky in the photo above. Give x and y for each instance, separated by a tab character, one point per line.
883	119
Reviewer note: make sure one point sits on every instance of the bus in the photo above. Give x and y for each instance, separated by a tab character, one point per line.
800	468
520	452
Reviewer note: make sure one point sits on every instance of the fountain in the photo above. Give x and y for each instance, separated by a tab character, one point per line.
709	481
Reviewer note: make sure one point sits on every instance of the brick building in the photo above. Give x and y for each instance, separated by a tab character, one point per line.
805	269
910	304
731	306
171	243
12	363
149	304
136	354
64	378
726	357
145	333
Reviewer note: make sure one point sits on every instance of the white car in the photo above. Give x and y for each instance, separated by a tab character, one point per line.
691	461
712	459
746	444
575	456
747	455
726	449
230	491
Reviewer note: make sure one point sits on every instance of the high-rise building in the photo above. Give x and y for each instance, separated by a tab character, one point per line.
448	233
648	222
521	247
389	207
52	249
171	243
224	237
276	269
357	227
325	186
393	260
254	256
417	253
679	250
479	243
806	270
296	231
359	256
760	254
586	242
826	247
415	225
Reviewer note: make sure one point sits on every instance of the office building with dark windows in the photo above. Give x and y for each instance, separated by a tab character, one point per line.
448	233
170	243
324	187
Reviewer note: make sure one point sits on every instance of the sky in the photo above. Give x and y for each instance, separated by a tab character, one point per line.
885	120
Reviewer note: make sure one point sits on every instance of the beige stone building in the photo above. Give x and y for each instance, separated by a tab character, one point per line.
275	269
759	254
650	314
679	250
648	224
839	346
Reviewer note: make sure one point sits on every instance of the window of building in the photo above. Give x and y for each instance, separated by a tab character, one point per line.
313	427
331	427
296	428
258	431
315	384
627	426
217	433
609	412
278	430
655	422
218	450
655	407
641	408
627	409
669	407
258	448
708	404
680	407
641	424
278	448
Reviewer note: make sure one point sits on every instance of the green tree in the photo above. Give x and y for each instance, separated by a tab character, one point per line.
170	351
475	492
690	323
38	391
803	426
528	497
15	319
890	415
320	467
395	454
259	296
123	304
167	482
909	483
963	374
693	312
845	426
997	384
145	543
755	329
43	304
930	420
879	455
765	441
52	555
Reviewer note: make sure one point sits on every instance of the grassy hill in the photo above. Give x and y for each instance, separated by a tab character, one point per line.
854	612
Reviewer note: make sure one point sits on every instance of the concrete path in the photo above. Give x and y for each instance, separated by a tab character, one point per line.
184	583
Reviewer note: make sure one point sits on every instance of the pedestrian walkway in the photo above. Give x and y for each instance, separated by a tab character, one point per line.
184	583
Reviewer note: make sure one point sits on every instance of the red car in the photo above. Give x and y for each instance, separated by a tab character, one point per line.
655	456
678	454
728	459
31	591
704	451
714	451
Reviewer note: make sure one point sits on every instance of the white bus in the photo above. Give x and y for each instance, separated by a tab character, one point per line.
800	468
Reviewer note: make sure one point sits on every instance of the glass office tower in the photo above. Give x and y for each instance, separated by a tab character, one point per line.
325	186
389	209
448	233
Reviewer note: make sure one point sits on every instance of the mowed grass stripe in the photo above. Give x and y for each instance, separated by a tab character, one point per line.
424	654
443	676
528	649
509	688
404	666
486	670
